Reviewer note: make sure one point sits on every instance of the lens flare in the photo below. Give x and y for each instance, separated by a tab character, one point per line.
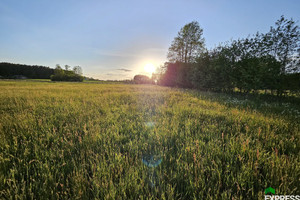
150	124
152	161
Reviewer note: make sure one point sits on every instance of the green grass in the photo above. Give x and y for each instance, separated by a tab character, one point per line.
87	141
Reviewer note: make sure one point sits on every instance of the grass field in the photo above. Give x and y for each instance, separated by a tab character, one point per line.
93	141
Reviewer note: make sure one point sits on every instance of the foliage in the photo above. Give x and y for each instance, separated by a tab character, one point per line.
67	75
261	62
283	42
177	75
188	44
214	70
10	70
86	141
142	79
77	70
292	82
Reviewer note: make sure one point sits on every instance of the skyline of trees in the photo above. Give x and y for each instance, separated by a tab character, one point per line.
261	62
17	71
11	70
66	74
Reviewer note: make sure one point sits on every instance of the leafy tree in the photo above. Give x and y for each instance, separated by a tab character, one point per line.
263	61
67	67
177	75
142	79
58	70
283	42
65	75
77	70
213	70
270	73
202	75
10	70
188	44
291	82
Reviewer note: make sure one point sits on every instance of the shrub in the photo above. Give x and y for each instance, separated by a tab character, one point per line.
142	79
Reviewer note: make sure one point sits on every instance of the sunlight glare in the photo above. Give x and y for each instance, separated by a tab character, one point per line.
149	68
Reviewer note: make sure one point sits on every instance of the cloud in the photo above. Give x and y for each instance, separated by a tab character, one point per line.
124	70
113	74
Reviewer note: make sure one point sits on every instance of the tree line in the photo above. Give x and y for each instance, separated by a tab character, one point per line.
16	71
264	61
10	70
66	74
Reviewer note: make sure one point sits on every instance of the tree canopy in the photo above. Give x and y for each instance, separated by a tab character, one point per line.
67	75
264	61
10	70
188	44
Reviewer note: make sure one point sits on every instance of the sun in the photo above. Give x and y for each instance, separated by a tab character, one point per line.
149	68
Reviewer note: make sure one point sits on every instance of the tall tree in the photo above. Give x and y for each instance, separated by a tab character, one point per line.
77	70
188	44
67	67
283	42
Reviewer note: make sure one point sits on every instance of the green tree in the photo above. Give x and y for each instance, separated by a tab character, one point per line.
283	42
58	70
67	67
142	79
65	75
188	44
213	69
77	70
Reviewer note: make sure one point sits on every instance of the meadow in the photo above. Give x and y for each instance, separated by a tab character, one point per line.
118	141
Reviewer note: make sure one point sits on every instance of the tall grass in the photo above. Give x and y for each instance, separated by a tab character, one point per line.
87	141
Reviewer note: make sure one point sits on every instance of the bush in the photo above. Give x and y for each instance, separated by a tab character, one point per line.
177	75
291	82
67	77
142	79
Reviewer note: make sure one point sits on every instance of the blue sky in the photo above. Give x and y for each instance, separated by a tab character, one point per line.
105	37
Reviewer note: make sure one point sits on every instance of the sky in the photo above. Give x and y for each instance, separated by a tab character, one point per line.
114	40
